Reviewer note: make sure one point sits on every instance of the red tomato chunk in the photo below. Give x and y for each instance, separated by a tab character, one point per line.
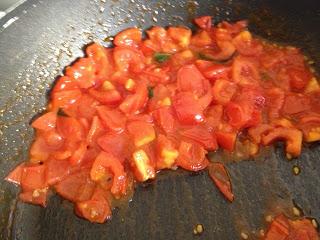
121	114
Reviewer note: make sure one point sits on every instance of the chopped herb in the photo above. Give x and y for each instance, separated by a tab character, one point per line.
62	113
265	76
203	56
161	57
150	92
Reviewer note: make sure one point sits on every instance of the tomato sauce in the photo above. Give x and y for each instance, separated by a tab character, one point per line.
119	115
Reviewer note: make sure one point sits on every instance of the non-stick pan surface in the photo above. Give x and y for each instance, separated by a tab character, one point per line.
41	36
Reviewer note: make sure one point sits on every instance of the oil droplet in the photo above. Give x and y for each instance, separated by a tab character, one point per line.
296	170
244	235
198	229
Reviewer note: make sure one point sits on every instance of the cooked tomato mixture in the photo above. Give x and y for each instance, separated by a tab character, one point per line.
121	114
282	228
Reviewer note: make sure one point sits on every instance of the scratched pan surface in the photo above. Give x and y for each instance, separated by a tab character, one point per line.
46	35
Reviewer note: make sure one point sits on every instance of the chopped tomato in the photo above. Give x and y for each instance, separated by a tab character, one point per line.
188	110
212	70
63	99
69	127
226	140
102	61
190	79
165	119
244	71
64	83
238	115
161	101
192	156
95	130
96	209
115	143
202	136
166	152
256	132
57	170
299	78
292	137
142	132
283	228
129	37
112	119
128	59
223	91
33	177
295	103
82	72
220	177
225	52
106	97
77	186
203	22
46	122
274	102
142	166
133	103
15	175
108	162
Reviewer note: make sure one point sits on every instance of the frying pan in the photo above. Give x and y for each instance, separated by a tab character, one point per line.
41	36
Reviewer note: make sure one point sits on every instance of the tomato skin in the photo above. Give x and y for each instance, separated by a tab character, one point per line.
190	79
202	136
165	119
187	108
226	140
78	154
112	119
221	179
130	37
279	229
46	121
223	91
192	157
226	50
106	161
203	22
